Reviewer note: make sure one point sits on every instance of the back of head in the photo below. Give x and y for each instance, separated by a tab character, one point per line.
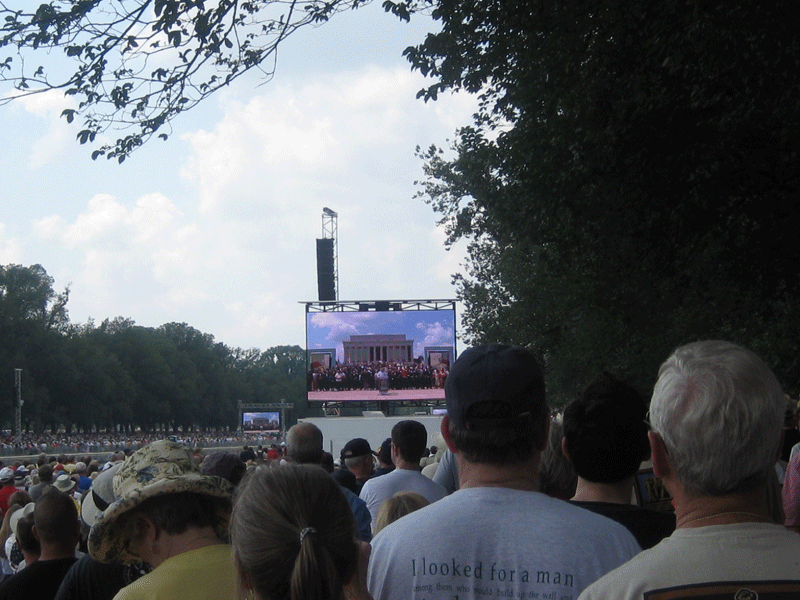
56	519
224	464
293	534
20	497
304	444
557	476
606	432
496	405
411	438
385	452
46	474
399	505
26	540
326	462
719	410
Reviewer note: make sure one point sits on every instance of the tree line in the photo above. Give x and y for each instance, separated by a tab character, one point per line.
118	376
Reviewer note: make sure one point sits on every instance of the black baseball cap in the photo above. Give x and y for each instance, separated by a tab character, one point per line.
355	448
490	385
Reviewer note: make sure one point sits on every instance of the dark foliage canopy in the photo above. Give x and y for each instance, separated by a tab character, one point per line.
630	181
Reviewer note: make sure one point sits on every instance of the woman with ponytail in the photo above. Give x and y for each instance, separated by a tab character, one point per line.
294	537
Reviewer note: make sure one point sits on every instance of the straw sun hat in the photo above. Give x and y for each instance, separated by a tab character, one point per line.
19	515
162	467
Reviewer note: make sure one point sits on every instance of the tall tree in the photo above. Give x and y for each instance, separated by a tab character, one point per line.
27	296
32	318
629	181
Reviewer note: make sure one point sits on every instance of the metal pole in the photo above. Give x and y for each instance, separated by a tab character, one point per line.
18	410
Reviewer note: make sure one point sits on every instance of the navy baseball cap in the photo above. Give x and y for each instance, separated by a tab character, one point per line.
489	385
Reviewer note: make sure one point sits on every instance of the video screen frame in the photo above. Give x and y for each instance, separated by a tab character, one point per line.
262	421
365	351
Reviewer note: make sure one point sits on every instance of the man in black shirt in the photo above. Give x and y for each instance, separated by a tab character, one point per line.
58	530
605	437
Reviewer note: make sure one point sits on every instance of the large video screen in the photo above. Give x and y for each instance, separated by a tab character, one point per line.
379	355
261	421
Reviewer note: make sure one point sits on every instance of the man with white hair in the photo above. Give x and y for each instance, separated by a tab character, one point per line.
716	417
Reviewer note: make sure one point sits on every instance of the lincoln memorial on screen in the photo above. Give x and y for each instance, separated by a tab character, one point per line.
372	348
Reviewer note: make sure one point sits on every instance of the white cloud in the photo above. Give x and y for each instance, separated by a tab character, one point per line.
45	107
10	252
103	216
449	262
339	326
44	104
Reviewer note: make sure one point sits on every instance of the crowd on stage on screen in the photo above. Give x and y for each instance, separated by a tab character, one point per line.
366	376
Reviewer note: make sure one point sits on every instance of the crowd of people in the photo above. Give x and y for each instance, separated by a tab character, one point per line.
366	376
511	503
50	443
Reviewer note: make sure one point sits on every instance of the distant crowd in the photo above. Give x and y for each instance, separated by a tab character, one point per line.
31	444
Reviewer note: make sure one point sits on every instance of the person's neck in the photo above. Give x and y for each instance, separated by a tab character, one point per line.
521	476
404	465
747	507
194	538
56	551
613	493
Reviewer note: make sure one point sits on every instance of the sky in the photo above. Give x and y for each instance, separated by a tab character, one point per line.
427	328
216	227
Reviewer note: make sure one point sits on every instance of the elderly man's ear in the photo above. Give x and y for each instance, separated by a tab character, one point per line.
658	454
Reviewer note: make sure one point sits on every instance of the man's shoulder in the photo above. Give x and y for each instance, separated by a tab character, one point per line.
433	490
648	526
689	557
351	497
372	484
40	579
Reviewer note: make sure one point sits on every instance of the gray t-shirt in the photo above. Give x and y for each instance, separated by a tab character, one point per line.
379	489
494	543
447	472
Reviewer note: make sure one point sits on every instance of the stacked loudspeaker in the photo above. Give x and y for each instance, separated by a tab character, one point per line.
325	270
